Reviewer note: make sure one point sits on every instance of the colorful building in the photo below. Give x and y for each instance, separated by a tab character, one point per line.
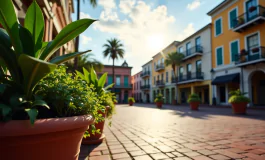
194	74
162	81
238	49
146	88
56	13
123	87
136	84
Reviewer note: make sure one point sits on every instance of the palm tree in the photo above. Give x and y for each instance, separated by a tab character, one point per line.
92	3
174	59
86	61
113	50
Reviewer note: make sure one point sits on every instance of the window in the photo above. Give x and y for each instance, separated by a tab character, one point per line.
233	18
180	71
219	56
198	66
155	65
189	70
162	76
118	80
188	48
110	79
198	44
154	80
180	49
158	77
253	41
254	13
234	50
218	27
126	81
166	76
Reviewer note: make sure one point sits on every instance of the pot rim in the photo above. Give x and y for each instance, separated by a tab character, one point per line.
41	126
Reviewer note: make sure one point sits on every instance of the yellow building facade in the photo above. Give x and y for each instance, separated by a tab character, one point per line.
238	53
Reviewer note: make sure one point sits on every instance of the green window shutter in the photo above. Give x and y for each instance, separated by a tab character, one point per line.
233	16
110	80
234	50
126	81
218	27
219	56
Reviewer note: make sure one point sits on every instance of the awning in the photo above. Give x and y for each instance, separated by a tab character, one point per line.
230	78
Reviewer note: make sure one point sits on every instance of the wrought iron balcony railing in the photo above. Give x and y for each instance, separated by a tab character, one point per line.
145	87
145	74
196	50
174	79
160	83
160	67
252	16
191	76
250	56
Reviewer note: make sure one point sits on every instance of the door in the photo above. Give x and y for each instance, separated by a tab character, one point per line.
253	42
126	97
251	14
183	97
222	94
206	96
261	91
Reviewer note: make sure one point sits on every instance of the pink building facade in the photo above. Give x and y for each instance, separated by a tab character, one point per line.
123	86
136	84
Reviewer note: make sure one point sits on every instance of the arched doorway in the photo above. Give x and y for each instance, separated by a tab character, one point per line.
257	81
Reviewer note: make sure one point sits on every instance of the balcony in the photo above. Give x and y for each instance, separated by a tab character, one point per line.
159	67
193	52
160	83
191	77
256	55
254	15
145	87
174	79
145	74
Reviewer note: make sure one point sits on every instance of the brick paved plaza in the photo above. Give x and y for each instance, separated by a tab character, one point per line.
143	132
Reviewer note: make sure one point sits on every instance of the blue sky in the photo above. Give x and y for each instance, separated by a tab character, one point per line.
145	27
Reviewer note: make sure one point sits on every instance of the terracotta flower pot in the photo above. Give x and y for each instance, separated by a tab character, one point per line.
96	138
53	139
194	105
159	104
239	108
130	103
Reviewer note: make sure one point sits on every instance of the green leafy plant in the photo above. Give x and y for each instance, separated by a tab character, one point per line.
159	98
131	99
28	59
238	97
194	98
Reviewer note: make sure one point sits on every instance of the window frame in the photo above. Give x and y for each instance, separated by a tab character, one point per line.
220	18
230	48
216	56
229	20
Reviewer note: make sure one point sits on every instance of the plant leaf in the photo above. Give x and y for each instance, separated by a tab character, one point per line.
26	41
93	75
109	86
33	113
5	109
102	80
8	19
79	74
40	103
43	47
68	33
86	75
9	58
34	22
33	70
5	39
66	57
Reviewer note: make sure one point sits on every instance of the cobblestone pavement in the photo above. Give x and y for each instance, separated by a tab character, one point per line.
143	132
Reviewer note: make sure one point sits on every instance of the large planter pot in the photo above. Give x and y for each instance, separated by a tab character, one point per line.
53	139
159	104
130	103
239	108
194	105
96	138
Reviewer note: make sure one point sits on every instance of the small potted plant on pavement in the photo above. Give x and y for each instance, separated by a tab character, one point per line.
159	100
32	126
194	101
239	102
131	101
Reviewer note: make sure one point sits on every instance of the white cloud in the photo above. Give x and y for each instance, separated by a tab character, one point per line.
107	4
84	15
195	4
189	30
126	5
85	40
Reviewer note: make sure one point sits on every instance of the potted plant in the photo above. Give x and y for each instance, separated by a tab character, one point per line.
105	101
159	100
238	101
28	122
131	101
255	50
241	21
194	101
252	8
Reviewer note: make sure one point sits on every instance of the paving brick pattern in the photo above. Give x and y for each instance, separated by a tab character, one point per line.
143	132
